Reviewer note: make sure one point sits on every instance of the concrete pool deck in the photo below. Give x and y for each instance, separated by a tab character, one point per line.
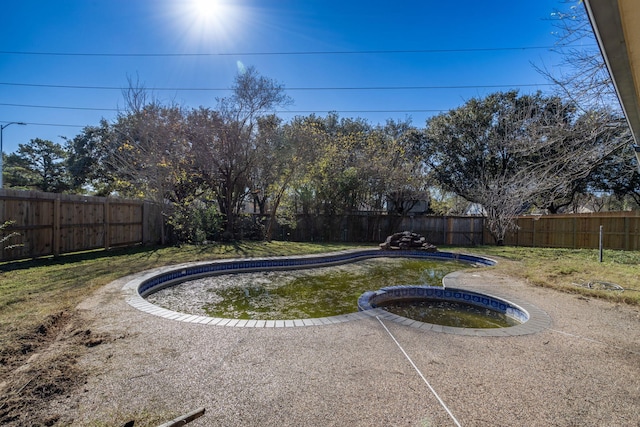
582	368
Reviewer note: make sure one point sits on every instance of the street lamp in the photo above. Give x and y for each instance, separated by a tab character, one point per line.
1	156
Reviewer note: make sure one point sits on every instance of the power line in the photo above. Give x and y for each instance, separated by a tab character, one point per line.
59	107
278	111
419	87
176	89
328	110
292	53
52	124
434	110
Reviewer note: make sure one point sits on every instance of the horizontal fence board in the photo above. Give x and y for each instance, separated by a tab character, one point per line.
375	227
621	230
53	224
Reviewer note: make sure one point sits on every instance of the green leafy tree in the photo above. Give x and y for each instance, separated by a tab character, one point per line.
283	153
352	165
87	163
617	176
16	172
333	179
506	152
39	165
397	175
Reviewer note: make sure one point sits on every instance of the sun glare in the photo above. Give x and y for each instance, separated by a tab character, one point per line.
207	22
206	10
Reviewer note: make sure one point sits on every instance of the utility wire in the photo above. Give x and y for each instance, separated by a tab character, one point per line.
329	52
286	89
278	111
59	107
52	124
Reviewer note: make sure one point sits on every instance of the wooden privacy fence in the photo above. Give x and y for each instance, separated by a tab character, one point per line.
368	227
54	224
621	230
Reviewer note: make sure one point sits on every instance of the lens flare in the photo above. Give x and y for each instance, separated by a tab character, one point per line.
206	10
208	23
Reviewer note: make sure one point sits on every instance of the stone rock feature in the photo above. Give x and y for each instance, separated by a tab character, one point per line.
406	240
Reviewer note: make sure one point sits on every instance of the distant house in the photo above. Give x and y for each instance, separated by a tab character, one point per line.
417	205
475	209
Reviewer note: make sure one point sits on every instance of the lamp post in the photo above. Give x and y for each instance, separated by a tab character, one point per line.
1	153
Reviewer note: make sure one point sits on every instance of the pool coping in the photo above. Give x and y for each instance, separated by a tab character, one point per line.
538	319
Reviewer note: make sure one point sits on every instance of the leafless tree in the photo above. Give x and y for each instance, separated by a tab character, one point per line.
148	151
582	77
225	140
581	74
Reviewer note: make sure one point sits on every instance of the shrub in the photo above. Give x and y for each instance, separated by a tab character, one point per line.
195	222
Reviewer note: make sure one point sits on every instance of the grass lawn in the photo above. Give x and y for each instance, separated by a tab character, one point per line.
571	270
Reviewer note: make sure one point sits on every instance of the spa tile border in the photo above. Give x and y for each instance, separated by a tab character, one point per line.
151	281
381	297
538	321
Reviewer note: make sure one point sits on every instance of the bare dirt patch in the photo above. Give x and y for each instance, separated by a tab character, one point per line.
41	366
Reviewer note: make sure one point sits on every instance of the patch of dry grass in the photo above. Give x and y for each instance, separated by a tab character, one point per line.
571	270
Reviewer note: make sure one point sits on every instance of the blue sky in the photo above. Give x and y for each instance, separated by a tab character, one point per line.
451	50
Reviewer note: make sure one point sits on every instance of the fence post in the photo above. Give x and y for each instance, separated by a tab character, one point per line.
56	226
144	222
600	243
107	222
444	230
533	233
627	240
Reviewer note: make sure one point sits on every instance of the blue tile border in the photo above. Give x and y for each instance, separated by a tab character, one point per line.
151	281
372	299
190	272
